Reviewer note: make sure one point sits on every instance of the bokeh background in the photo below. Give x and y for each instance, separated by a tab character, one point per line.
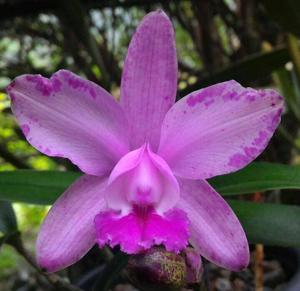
252	41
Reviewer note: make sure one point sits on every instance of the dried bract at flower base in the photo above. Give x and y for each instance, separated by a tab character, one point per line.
157	269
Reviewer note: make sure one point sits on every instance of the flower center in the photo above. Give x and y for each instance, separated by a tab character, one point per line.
142	179
145	186
141	195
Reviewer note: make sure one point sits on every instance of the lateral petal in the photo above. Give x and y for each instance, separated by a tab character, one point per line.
215	230
218	129
68	231
68	116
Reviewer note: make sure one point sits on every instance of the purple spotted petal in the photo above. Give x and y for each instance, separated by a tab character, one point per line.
219	129
149	79
68	232
68	116
215	230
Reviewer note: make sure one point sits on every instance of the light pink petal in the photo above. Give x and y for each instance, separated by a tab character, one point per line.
215	230
68	116
149	79
142	178
219	129
139	230
68	232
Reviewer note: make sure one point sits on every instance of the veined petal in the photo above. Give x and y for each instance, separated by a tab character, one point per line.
215	230
68	116
219	129
68	231
149	80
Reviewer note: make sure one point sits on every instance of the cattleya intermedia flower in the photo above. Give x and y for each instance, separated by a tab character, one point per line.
145	160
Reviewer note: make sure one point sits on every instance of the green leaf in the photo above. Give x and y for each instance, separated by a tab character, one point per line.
285	13
288	89
44	187
270	224
248	69
2	240
257	177
8	221
35	187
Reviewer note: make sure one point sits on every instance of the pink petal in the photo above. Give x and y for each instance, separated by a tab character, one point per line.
142	178
68	116
215	230
219	129
149	78
140	230
68	231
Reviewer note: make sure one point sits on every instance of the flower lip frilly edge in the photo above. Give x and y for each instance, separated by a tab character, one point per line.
146	159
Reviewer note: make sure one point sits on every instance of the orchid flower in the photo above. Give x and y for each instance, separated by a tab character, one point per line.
145	159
